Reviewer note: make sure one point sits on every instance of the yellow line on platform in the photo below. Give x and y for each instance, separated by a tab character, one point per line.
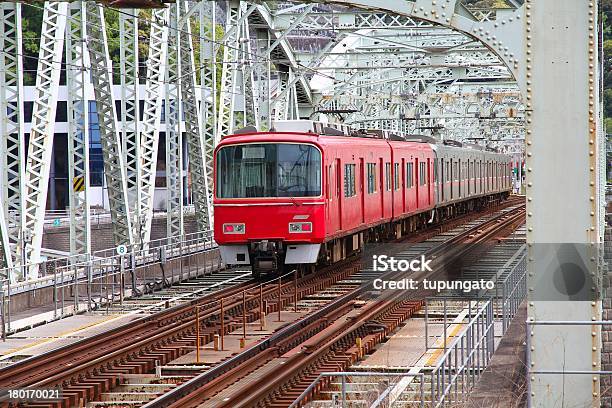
433	359
60	335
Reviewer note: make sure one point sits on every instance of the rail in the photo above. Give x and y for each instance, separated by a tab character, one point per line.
111	270
343	376
463	356
47	267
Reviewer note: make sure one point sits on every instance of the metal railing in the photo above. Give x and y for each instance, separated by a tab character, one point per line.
110	270
465	359
512	291
345	379
47	268
108	276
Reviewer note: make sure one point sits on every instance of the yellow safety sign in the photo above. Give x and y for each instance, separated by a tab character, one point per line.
78	183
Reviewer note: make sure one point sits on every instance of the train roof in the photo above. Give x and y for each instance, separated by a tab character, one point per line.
306	129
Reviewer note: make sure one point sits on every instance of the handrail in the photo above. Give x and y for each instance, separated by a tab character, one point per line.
109	253
344	374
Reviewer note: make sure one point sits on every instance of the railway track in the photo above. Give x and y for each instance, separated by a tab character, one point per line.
278	374
87	369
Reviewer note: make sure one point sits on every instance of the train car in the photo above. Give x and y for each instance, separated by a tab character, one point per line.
309	193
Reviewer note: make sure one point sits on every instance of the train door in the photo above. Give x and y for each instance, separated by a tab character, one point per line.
328	192
428	180
417	181
481	177
382	188
362	189
475	175
460	178
403	186
442	179
468	179
451	177
339	192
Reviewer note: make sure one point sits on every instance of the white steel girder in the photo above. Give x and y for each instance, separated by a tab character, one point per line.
12	147
41	135
78	130
114	164
246	80
562	145
149	128
130	113
5	254
174	140
208	86
502	36
227	98
195	144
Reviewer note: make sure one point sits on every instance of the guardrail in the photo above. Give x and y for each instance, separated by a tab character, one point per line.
48	267
513	290
343	402
108	276
465	359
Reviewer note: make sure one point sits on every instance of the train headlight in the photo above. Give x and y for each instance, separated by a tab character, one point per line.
298	227
234	229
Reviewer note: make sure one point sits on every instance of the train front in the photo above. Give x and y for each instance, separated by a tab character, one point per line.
269	203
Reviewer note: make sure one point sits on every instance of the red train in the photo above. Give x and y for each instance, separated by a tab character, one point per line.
308	193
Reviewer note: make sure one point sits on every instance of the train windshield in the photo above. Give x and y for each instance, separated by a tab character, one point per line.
268	170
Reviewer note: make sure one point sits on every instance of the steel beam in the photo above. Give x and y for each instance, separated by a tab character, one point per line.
195	145
208	88
78	131
174	140
130	113
149	135
114	165
562	179
227	98
12	146
41	135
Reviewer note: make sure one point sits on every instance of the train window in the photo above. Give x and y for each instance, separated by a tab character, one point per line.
422	174
330	180
388	176
371	178
435	170
409	175
349	180
455	172
396	176
269	170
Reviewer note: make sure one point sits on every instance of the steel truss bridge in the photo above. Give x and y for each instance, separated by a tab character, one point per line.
524	78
